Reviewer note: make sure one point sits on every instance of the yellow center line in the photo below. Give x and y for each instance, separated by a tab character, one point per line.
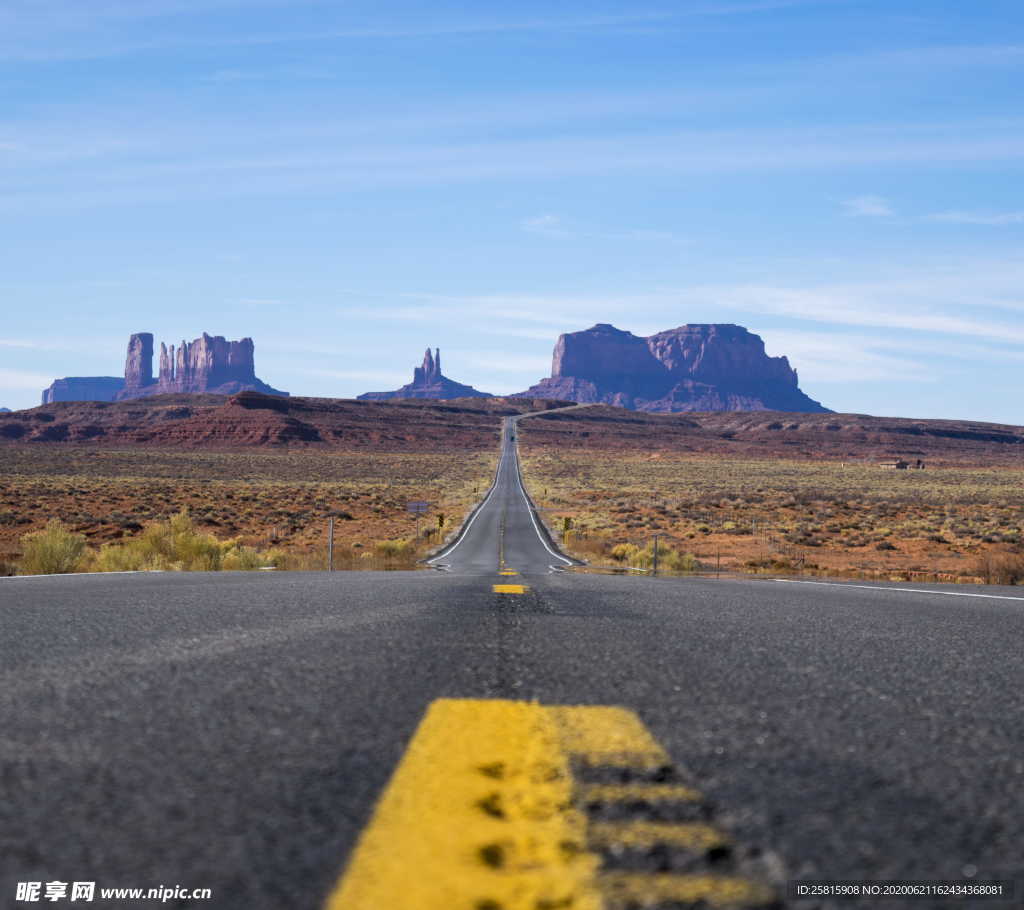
637	890
648	793
477	816
508	589
638	835
484	813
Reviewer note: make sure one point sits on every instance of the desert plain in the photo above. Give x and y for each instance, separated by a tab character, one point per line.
757	492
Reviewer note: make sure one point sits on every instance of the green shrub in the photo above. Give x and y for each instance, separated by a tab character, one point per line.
114	557
240	558
624	552
392	549
669	560
52	551
678	562
175	545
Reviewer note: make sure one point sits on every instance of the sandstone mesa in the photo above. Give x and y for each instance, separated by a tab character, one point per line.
208	365
702	367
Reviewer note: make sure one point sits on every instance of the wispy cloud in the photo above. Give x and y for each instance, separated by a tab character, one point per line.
92	43
993	219
872	306
880	207
969	306
22	380
940	56
385	377
210	166
546	225
830	358
50	344
555	226
502	362
867	207
19	343
104	29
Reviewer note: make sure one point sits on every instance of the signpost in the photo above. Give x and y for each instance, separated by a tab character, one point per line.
418	508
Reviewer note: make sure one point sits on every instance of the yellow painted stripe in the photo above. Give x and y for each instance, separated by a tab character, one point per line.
509	589
624	889
608	736
508	572
641	835
483	813
633	793
478	815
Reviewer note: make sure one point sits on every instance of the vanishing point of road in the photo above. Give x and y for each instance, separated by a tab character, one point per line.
234	731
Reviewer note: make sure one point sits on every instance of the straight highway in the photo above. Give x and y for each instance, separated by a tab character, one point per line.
504	530
233	731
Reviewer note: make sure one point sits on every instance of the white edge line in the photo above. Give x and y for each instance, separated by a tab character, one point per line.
79	574
465	530
839	584
480	508
529	510
540	536
476	514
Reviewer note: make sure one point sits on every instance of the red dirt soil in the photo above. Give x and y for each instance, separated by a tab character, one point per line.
251	420
754	434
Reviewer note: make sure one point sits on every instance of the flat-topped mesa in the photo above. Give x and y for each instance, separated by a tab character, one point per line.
83	388
705	367
717	353
428	382
208	365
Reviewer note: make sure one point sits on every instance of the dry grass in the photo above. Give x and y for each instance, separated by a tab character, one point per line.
51	551
760	515
275	503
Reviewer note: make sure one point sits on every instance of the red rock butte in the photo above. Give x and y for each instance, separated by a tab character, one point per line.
208	365
428	382
705	367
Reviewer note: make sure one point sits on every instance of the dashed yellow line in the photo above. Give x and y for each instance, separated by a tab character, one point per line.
509	589
488	810
634	890
616	794
608	736
641	835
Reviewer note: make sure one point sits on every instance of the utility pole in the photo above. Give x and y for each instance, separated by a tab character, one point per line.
330	544
654	565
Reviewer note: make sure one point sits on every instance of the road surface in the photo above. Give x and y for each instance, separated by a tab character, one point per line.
232	731
505	530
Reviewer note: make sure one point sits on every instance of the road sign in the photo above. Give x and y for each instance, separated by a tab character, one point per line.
418	507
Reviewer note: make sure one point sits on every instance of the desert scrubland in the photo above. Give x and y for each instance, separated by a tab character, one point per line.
607	489
277	504
251	481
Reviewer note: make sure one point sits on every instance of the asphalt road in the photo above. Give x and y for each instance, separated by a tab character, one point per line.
233	730
505	530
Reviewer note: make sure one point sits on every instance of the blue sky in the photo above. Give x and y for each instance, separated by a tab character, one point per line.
349	182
